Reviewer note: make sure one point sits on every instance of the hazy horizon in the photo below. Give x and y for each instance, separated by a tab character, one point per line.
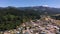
30	3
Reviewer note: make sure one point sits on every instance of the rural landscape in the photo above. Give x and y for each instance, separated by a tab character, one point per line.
29	20
29	16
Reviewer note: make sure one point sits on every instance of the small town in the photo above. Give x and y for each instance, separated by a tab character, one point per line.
46	26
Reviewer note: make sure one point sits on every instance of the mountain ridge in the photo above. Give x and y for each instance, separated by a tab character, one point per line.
41	9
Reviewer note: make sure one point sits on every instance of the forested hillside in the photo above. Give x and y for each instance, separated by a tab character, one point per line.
11	17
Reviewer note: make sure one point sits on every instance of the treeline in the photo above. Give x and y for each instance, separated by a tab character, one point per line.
11	17
56	17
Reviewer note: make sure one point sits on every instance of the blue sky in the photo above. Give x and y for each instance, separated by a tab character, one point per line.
26	3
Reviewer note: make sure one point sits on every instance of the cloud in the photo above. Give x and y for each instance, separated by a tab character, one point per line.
45	5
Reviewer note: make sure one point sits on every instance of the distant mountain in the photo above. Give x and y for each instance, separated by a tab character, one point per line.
42	9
